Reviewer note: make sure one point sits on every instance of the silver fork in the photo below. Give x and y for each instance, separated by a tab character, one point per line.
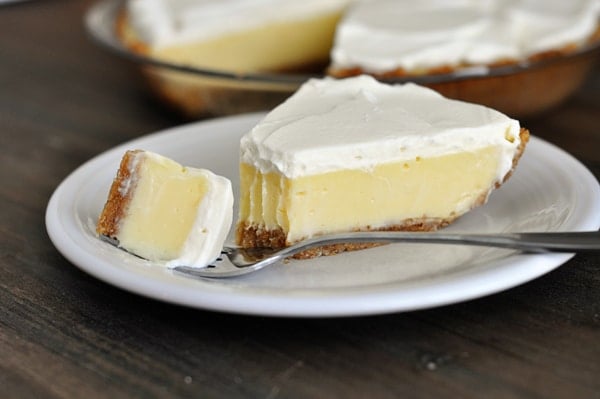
238	261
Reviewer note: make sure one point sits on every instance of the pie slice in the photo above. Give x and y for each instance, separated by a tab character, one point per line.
162	211
355	154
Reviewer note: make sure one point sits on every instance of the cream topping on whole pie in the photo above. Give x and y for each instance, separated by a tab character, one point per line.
384	35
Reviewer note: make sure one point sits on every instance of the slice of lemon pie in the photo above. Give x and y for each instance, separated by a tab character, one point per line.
162	211
355	154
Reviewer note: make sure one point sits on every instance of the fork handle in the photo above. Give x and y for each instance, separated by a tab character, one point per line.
586	241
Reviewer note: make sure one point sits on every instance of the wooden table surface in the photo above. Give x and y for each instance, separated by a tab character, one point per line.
64	334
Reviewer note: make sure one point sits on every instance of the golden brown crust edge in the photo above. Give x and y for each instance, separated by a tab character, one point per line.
524	137
117	201
252	236
126	35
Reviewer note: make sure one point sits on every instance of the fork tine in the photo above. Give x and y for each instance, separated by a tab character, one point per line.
222	267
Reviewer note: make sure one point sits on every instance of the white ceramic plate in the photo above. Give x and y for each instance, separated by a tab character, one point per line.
550	191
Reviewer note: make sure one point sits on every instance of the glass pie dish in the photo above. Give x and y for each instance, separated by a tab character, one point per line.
517	89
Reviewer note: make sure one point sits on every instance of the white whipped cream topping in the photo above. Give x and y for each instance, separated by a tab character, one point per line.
167	22
358	123
382	35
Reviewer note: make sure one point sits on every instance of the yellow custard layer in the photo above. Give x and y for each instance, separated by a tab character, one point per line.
437	188
267	48
162	209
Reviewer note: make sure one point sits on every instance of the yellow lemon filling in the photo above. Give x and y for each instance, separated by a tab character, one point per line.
437	188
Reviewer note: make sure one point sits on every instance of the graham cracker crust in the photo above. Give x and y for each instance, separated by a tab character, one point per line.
117	201
253	236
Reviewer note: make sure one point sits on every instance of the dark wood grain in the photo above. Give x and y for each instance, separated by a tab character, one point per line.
64	334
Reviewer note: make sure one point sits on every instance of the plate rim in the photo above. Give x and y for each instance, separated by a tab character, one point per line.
301	304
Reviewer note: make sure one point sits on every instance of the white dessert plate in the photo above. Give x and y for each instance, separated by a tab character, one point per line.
550	191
